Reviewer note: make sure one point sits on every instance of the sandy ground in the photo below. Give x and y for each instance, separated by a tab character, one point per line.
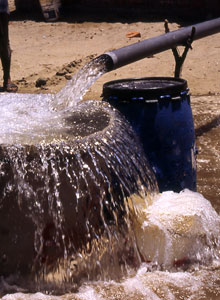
53	51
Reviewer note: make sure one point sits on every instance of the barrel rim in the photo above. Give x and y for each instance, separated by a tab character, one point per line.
130	93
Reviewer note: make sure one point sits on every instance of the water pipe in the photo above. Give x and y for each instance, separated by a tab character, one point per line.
140	50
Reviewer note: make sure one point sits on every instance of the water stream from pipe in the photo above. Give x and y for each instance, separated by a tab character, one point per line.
177	235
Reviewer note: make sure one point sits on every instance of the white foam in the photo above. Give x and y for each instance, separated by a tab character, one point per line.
88	293
178	227
36	296
28	118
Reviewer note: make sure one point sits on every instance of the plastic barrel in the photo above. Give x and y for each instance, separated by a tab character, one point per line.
159	110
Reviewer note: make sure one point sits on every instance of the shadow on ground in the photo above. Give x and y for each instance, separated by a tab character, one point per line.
78	13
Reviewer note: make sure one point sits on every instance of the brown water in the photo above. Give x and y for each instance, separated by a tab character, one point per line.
196	281
206	110
196	272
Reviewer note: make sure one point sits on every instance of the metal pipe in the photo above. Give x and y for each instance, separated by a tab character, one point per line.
140	50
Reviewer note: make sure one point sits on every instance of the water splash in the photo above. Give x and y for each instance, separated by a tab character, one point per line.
32	118
149	282
72	194
43	156
27	119
76	88
178	230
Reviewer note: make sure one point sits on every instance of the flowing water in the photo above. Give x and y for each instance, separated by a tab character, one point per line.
30	118
177	235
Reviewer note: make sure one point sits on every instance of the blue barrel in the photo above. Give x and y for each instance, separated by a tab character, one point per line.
159	110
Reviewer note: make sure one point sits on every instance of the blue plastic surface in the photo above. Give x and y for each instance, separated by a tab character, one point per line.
166	129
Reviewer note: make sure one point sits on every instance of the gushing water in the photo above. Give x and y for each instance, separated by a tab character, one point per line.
71	194
32	119
178	230
174	216
76	88
76	203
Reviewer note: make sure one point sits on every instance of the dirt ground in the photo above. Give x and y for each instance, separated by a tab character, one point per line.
55	51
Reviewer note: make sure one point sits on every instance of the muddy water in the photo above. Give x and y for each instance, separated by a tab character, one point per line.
186	221
187	281
206	112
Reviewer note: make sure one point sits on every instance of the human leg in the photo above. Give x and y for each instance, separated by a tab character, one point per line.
5	53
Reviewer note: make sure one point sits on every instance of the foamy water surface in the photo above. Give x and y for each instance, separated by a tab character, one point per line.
177	234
